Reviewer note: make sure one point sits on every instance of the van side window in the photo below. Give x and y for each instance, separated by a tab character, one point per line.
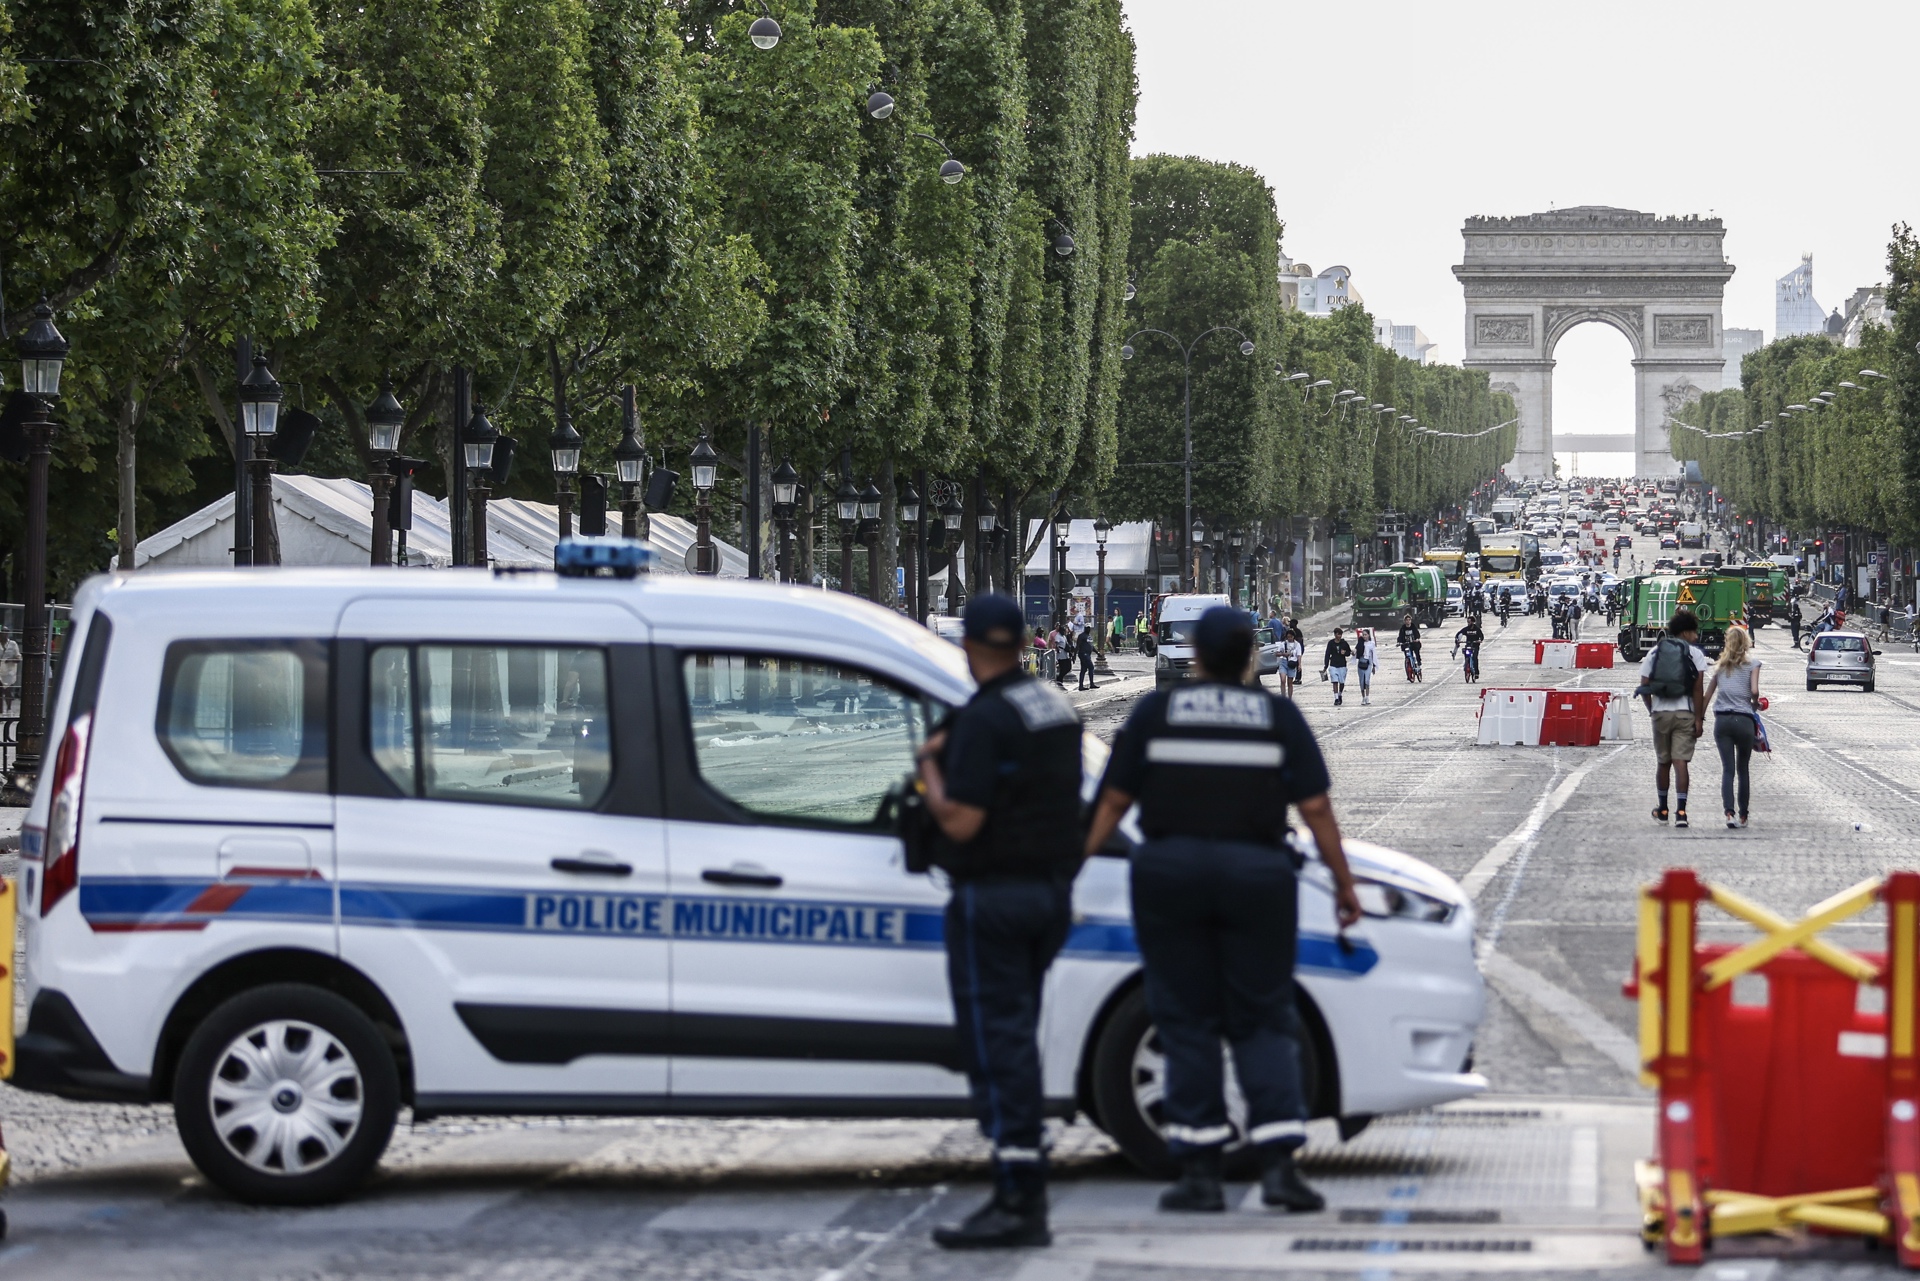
505	724
246	713
800	740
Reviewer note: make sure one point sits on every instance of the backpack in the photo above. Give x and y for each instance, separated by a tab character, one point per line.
1672	671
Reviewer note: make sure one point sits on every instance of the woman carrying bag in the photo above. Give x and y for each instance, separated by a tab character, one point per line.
1734	695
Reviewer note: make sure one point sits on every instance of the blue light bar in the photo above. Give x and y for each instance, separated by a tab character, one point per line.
610	557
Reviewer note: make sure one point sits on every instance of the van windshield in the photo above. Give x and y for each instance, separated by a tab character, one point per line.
1179	631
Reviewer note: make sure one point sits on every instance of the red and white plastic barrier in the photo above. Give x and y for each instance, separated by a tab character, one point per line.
1532	717
1554	653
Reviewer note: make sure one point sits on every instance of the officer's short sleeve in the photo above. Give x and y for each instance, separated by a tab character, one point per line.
973	757
1127	766
1303	770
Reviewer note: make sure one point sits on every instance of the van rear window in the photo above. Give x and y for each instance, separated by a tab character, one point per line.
246	713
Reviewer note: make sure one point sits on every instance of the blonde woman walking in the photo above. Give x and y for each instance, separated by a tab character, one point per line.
1734	695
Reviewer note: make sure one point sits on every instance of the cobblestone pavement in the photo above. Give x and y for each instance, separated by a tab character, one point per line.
1532	1180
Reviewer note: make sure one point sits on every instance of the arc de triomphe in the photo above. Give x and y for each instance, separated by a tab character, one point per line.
1659	281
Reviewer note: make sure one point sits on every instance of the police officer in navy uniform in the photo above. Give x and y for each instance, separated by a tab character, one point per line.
1213	765
1002	781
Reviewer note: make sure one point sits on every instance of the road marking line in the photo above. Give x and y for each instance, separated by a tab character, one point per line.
892	1234
1583	1170
1582	1019
1483	872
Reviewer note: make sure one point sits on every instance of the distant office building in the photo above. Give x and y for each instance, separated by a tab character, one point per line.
1409	341
1794	309
1317	295
1735	344
1868	306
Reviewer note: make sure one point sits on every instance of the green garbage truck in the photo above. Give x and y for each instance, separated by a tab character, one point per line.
1429	592
1649	600
1382	597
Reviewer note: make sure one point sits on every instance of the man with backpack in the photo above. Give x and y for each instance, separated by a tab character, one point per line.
1671	687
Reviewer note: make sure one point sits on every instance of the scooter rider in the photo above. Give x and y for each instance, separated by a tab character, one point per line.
1214	765
1003	783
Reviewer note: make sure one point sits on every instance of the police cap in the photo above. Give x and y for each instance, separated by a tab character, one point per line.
1222	639
993	619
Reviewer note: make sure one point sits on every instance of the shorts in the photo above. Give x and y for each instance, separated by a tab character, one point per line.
1673	738
1338	675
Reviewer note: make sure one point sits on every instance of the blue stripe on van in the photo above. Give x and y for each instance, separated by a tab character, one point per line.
160	903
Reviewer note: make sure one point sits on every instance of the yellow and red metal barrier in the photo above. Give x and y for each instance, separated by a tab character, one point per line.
1786	1067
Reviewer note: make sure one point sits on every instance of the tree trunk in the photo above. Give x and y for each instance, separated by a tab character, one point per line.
888	545
129	426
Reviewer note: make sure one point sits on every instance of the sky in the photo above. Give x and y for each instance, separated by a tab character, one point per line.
1382	126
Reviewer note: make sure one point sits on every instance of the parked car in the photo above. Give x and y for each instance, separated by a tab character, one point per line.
1841	658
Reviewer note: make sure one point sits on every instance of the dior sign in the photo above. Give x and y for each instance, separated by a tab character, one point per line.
1683	331
1503	331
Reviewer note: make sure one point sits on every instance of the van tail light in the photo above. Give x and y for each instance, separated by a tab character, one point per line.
63	815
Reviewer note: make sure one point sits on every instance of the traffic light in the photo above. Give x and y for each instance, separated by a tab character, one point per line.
593	505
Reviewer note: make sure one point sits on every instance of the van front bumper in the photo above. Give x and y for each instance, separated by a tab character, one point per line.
58	1055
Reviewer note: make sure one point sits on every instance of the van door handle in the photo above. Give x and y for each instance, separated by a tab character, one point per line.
592	867
743	876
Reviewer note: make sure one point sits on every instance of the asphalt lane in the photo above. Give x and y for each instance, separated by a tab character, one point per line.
1533	1180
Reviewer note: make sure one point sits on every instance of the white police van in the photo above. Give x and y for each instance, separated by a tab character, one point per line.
313	846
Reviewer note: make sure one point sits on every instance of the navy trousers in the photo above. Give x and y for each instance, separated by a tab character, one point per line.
1001	936
1216	921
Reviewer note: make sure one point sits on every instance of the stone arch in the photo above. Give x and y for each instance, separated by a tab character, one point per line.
1659	281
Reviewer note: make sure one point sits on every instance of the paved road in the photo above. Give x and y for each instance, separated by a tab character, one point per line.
1532	1180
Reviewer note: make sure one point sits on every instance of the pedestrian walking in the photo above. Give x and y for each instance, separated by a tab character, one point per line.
1670	685
1333	666
1366	661
1084	651
1793	619
1292	654
9	672
1002	781
1062	651
1144	626
1734	695
1213	766
1117	631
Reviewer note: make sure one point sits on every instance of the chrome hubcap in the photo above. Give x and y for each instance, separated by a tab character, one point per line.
286	1097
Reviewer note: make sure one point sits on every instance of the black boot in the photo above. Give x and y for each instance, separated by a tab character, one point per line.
1198	1190
1281	1184
1016	1215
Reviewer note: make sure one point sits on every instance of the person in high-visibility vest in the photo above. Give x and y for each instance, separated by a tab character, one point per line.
1145	629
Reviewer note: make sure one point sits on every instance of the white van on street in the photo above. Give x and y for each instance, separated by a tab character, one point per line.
1173	634
313	846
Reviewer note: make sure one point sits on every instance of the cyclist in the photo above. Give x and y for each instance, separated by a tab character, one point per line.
1506	604
1470	637
1409	642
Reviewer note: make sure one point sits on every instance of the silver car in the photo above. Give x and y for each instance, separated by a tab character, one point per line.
1840	658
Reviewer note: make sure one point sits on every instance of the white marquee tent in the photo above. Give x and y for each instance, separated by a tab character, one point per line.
328	521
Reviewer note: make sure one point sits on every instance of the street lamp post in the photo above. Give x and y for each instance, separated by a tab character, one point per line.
1190	573
260	397
385	418
1100	531
950	517
476	450
870	535
985	523
42	353
846	502
910	525
706	470
1186	397
1062	540
630	461
564	445
1237	540
786	494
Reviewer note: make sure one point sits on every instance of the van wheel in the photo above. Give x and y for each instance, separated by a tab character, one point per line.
286	1095
1129	1083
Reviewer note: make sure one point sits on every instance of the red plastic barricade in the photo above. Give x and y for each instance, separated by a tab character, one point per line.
1593	654
1787	1070
1574	717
